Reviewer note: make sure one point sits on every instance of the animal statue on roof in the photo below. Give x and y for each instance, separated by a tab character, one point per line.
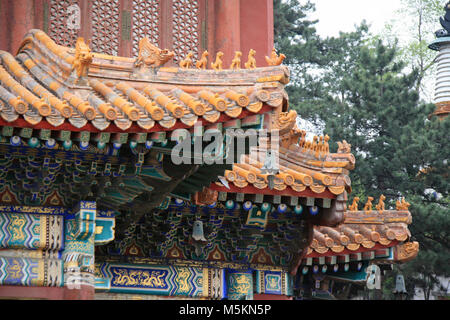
251	61
326	146
201	64
186	63
354	205
402	205
275	59
344	147
236	62
286	120
217	65
83	58
368	205
445	22
302	141
380	205
151	56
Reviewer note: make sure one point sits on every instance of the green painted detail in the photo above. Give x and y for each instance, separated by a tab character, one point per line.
26	132
64	135
102	137
85	136
157	173
137	184
45	134
233	124
104	230
45	18
139	137
158	136
165	203
116	195
102	283
7	131
254	120
240	286
126	25
120	138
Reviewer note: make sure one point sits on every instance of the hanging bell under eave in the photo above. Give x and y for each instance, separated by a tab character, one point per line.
270	164
400	284
197	231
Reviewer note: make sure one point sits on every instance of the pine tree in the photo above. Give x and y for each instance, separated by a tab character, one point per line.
359	90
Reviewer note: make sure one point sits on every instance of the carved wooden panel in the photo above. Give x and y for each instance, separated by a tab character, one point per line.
64	21
146	19
186	26
105	26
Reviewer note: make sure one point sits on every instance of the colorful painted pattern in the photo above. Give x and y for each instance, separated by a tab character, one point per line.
31	271
31	231
240	285
152	279
273	282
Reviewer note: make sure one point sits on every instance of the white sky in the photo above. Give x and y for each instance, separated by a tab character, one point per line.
342	15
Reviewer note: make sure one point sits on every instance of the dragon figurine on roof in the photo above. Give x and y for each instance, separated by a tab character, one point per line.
151	56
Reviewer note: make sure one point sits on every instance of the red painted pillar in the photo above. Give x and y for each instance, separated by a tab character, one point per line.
84	293
21	20
210	23
86	19
28	292
125	27
227	30
256	21
4	22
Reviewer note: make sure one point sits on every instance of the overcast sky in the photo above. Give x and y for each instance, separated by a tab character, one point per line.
342	15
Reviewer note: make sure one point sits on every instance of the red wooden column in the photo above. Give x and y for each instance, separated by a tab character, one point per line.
227	30
18	17
86	19
125	27
84	293
210	27
256	21
28	292
4	29
39	14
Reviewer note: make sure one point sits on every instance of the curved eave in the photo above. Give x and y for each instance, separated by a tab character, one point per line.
250	189
363	232
115	94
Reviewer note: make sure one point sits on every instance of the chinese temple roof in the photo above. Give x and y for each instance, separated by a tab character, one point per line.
102	124
59	87
361	231
303	165
264	235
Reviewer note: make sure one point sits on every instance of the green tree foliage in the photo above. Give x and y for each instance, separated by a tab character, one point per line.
360	89
416	22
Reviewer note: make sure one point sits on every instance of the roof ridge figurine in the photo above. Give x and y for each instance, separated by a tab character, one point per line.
275	59
217	65
186	63
380	204
201	64
83	59
368	205
401	205
151	56
251	61
354	205
236	62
